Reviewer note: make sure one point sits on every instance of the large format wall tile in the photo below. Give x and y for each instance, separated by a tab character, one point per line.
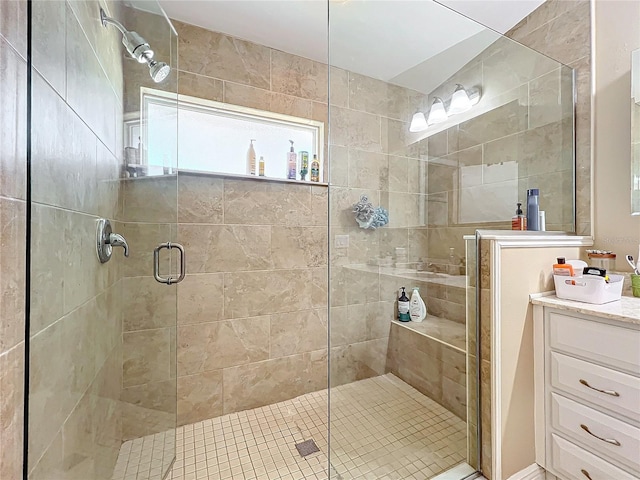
12	266
212	346
89	91
48	24
56	386
227	58
13	119
11	411
263	383
201	199
298	247
200	396
200	86
245	202
13	24
147	356
298	76
201	298
298	332
226	248
149	304
249	294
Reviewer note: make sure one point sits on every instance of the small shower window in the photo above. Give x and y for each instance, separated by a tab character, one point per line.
214	137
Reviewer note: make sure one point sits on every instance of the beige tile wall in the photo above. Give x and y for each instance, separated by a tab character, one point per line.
533	128
561	29
432	367
252	318
13	148
75	384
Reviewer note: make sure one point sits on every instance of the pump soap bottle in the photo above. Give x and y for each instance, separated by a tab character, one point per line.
251	159
519	221
292	163
403	307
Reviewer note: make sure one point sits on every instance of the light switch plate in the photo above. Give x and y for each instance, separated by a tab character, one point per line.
341	241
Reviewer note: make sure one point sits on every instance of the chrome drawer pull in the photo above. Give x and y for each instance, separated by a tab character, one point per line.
608	440
586	474
608	392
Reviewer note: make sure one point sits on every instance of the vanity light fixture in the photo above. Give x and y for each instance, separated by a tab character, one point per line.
418	123
437	113
461	101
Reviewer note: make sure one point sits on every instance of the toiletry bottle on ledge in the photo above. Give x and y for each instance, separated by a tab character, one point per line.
315	169
417	308
292	163
304	165
261	166
403	307
251	159
533	210
563	268
519	221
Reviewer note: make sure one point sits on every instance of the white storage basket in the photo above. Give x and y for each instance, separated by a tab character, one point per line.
589	288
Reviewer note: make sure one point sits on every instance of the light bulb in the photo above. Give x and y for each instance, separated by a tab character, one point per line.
437	114
418	123
460	101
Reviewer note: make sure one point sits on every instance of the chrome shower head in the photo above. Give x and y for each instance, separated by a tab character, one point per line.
138	48
158	70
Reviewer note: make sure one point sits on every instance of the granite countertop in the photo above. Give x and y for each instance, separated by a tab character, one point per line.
627	309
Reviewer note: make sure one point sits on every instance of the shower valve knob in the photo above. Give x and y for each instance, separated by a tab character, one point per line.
106	240
117	240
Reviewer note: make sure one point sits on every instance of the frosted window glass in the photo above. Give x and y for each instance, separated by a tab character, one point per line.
215	140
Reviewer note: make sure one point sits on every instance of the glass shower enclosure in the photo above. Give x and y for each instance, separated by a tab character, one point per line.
281	354
101	366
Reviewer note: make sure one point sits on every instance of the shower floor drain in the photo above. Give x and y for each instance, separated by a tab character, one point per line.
307	448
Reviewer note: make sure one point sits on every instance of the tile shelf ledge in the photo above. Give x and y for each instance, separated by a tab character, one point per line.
200	173
442	330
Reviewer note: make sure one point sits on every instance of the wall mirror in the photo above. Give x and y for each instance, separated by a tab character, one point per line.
635	132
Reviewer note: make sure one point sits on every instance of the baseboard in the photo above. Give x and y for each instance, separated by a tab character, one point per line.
532	472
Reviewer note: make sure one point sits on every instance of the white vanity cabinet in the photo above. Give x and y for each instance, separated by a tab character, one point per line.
587	389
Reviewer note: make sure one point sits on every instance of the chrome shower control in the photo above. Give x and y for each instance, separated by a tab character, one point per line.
106	240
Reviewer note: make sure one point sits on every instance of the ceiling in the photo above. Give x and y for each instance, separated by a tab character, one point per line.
414	43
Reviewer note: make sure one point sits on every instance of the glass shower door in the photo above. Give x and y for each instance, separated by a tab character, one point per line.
101	378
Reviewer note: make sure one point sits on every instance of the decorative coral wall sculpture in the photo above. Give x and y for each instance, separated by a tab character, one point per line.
369	217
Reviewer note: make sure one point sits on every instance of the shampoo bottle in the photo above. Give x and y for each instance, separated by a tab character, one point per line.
533	209
519	221
261	166
292	163
315	169
563	268
403	307
251	159
417	308
304	165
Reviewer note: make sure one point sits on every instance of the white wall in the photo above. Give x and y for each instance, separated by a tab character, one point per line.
617	33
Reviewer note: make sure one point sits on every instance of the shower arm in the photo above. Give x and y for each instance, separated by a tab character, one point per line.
108	20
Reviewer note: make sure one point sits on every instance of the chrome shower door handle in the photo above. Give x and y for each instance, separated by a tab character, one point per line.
156	263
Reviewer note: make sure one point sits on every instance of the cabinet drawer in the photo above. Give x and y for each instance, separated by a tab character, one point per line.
576	421
571	462
615	346
602	386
